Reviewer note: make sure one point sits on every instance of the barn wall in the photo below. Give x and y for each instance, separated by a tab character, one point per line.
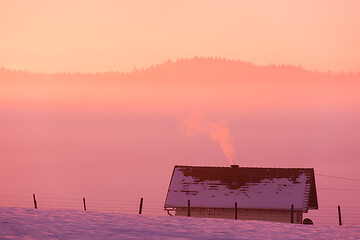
243	214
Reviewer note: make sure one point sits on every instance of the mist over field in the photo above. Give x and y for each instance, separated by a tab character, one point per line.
118	135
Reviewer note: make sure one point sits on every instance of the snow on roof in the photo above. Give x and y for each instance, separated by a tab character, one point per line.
251	188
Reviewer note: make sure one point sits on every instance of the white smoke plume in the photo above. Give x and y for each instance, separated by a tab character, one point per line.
218	131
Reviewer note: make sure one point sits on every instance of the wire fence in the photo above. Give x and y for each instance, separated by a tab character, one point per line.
102	205
326	215
329	215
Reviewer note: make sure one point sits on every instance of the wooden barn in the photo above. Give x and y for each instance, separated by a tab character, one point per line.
258	193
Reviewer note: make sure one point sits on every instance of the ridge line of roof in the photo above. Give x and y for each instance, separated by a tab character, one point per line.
240	167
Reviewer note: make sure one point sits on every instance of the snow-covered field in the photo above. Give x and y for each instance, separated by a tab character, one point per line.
22	223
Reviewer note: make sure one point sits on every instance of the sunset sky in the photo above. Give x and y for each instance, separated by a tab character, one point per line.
258	83
93	36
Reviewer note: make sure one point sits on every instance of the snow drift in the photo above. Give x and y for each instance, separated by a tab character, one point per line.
21	223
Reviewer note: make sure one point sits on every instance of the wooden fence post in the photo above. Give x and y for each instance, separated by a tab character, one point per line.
339	212
84	204
235	210
35	203
292	213
141	204
189	208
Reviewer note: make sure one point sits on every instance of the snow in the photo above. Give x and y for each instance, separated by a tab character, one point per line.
22	223
275	193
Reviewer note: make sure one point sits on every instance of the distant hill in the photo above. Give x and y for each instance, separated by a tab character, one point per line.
203	69
187	83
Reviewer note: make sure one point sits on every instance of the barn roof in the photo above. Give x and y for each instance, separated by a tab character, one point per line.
251	188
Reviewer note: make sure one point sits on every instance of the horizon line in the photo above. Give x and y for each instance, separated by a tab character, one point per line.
180	59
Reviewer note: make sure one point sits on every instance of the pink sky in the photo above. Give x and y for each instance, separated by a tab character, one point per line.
93	36
117	135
